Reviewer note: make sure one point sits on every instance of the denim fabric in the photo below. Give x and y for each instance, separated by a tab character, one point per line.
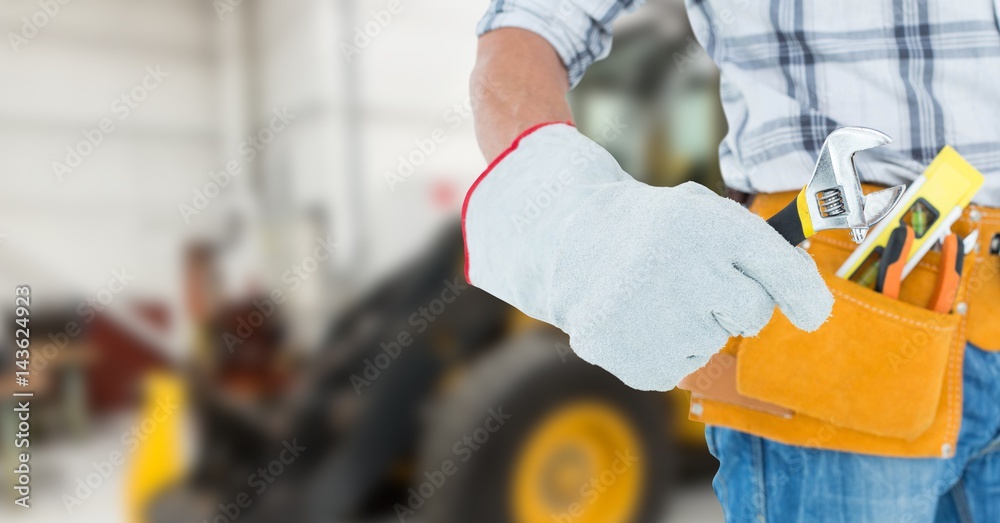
763	481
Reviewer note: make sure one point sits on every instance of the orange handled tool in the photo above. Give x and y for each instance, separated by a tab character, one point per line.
894	255
952	257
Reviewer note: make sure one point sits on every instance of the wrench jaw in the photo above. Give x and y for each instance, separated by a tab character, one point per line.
879	204
858	235
833	195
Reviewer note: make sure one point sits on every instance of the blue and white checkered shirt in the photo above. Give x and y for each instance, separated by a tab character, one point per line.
925	72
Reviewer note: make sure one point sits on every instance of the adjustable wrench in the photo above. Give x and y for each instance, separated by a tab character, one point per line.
833	199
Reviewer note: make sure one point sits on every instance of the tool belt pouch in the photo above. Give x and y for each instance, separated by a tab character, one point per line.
881	376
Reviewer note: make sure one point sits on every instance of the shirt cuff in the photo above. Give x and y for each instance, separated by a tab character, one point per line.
578	39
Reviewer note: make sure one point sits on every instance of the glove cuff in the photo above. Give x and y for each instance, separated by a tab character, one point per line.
489	168
515	213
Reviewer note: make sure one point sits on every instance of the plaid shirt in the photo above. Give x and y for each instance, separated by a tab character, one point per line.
926	72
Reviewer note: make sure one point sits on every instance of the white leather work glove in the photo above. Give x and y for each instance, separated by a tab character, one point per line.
648	282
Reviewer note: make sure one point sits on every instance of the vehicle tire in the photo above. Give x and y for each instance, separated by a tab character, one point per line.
575	444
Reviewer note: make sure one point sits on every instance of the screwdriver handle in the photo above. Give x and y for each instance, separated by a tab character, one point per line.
793	221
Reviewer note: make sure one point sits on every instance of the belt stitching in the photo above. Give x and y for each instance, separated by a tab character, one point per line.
894	316
956	361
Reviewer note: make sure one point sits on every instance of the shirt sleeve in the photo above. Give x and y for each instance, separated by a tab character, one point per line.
579	30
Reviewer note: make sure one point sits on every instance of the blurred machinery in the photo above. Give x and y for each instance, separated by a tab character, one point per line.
433	401
427	400
469	413
654	102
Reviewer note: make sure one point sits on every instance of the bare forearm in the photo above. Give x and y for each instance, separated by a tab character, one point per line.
518	81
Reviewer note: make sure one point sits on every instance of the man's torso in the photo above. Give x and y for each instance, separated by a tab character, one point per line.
926	73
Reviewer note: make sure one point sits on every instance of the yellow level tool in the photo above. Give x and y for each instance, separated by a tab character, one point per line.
931	204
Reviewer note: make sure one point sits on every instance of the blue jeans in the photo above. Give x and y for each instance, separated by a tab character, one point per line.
763	481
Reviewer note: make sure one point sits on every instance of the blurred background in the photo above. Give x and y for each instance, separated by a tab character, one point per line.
238	220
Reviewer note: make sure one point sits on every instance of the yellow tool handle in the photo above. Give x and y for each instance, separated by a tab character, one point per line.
793	222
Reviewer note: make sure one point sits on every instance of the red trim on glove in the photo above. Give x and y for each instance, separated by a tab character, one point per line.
465	204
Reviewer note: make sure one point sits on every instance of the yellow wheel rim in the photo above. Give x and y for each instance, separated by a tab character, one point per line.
584	463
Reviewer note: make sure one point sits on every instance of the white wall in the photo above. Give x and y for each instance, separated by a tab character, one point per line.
119	208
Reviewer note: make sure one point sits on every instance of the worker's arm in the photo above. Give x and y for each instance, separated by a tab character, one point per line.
649	282
531	52
518	81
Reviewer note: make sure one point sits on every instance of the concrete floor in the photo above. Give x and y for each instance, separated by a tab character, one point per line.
56	468
694	504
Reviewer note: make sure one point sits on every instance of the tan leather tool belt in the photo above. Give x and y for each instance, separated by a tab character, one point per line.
881	376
